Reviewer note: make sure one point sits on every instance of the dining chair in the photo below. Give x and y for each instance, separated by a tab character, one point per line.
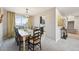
35	40
16	36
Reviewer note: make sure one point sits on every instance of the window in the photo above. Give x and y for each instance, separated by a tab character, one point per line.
20	20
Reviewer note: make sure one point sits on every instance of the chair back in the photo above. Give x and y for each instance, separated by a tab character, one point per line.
35	39
36	34
16	32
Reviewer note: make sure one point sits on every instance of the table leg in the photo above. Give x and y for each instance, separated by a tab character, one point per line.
24	43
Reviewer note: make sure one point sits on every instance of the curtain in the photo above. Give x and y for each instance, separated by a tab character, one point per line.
30	22
10	24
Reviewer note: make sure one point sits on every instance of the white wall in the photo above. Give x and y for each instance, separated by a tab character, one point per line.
49	17
76	23
65	21
1	32
1	29
4	23
58	31
70	18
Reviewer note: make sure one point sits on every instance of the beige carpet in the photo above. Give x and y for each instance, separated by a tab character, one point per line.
70	44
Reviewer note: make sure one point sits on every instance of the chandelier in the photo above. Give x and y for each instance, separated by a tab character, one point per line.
27	15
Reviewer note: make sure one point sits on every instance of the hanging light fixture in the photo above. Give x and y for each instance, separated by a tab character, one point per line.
27	15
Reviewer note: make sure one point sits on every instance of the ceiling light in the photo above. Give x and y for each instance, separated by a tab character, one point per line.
27	15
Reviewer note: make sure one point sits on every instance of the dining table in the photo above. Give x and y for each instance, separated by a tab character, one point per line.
24	34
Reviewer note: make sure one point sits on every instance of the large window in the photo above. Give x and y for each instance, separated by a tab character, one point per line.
20	20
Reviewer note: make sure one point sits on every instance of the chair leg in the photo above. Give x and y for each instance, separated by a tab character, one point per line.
33	47
40	45
28	45
19	48
17	43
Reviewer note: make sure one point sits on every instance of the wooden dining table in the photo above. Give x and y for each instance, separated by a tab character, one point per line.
24	34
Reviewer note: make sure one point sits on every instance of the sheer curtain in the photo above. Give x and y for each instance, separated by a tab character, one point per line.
20	21
30	22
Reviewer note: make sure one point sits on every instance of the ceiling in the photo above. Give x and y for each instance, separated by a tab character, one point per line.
31	10
69	11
